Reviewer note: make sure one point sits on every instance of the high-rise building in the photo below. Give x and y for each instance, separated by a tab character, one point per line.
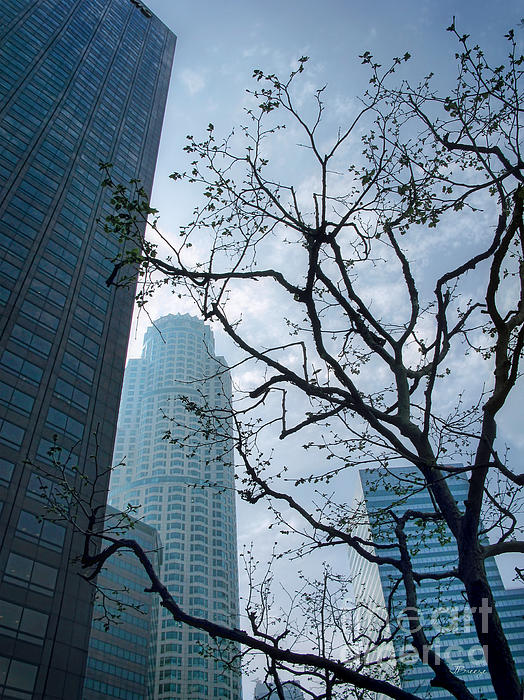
443	609
185	485
81	81
120	660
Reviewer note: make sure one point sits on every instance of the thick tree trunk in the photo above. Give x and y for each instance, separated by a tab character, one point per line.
491	636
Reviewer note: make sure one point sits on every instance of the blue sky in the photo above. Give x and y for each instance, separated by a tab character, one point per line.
220	43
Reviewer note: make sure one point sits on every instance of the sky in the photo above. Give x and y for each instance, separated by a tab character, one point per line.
220	43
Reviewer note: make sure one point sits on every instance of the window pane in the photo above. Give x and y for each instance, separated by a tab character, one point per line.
39	487
18	567
44	576
10	615
11	434
34	623
53	533
29	525
21	676
6	471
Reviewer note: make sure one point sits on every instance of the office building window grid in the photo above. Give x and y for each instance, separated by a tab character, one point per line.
186	492
442	604
81	81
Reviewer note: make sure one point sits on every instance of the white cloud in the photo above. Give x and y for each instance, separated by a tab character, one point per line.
193	81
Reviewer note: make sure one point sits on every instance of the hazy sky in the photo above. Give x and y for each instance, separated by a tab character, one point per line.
219	44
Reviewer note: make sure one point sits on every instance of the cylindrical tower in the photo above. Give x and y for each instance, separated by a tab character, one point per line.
174	437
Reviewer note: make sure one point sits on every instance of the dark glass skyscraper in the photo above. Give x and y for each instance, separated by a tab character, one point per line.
81	81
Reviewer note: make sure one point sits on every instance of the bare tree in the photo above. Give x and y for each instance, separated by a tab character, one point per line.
368	381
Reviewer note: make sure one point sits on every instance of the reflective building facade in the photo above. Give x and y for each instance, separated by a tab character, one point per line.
444	612
120	659
185	485
81	81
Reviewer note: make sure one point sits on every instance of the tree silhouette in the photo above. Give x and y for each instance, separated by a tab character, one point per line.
422	193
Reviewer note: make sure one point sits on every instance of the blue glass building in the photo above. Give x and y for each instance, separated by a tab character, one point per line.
81	81
185	487
443	605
